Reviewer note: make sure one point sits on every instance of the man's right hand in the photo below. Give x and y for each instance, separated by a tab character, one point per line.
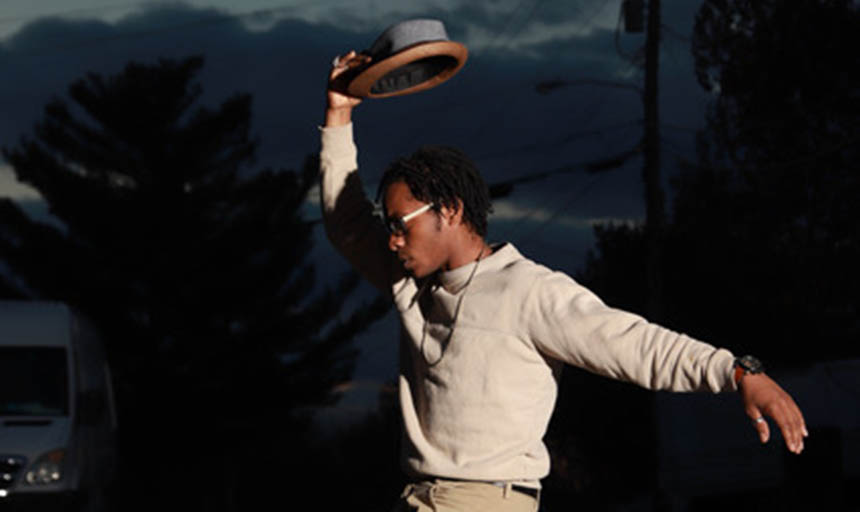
339	104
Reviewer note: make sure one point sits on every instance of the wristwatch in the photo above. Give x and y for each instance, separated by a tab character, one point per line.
747	364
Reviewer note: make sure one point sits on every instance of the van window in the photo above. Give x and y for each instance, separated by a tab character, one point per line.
33	381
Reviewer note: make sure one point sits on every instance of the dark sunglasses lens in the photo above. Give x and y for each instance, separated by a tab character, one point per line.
395	225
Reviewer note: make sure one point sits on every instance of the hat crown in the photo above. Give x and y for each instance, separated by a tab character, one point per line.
408	57
405	34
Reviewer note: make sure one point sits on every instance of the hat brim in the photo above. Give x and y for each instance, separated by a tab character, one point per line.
413	69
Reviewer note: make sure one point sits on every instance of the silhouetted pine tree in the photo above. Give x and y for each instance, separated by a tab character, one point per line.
193	266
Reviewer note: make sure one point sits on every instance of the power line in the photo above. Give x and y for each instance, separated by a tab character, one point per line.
531	11
504	188
535	231
635	59
601	131
601	6
488	118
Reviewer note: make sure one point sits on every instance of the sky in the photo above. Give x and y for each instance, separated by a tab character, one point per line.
280	52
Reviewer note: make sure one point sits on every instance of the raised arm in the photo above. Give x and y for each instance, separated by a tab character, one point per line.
347	212
339	105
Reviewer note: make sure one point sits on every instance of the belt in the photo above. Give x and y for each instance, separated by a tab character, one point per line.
528	491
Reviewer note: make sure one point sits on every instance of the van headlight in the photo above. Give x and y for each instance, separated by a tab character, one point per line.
47	469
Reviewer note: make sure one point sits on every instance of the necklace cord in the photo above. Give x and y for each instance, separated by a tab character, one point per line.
456	315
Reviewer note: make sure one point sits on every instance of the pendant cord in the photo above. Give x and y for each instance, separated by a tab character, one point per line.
456	314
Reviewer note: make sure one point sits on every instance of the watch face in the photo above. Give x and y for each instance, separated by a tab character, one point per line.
751	364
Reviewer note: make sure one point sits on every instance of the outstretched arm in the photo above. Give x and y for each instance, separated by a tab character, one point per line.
570	323
761	397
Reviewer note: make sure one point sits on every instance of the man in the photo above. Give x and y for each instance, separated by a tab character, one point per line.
485	330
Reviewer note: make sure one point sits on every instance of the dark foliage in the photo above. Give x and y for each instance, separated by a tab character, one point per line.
194	269
760	255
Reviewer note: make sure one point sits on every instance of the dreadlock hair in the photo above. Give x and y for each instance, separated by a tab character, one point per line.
442	175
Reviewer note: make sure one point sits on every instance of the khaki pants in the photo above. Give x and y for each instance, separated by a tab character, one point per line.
457	496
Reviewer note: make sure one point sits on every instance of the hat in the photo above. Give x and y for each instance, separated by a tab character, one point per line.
408	57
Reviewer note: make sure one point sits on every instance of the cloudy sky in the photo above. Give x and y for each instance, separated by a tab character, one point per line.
280	51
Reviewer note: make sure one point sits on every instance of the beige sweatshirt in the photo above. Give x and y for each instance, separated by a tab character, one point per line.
480	357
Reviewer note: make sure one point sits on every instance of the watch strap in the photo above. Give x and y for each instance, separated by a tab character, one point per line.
744	365
739	374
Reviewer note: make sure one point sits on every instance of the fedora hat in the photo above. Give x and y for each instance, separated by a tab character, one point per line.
410	56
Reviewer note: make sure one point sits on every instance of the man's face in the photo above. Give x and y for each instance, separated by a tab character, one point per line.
422	247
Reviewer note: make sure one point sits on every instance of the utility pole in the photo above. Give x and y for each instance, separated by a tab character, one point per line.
651	172
654	196
654	211
655	215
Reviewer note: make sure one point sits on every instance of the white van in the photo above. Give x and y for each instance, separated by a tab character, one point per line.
57	417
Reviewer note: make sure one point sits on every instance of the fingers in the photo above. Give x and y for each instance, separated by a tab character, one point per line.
790	421
763	397
760	424
347	61
339	102
339	64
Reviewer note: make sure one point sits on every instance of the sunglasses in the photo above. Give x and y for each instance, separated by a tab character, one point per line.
397	225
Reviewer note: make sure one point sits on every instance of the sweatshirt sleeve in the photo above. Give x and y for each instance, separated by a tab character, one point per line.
569	322
348	214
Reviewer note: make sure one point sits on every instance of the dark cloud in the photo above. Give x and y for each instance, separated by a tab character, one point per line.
491	109
49	35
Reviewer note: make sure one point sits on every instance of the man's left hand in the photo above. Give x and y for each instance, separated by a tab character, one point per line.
762	396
